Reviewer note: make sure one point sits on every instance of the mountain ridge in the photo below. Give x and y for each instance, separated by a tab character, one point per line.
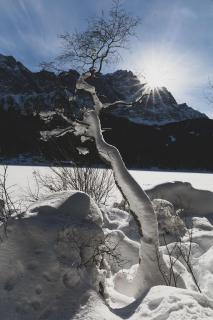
45	91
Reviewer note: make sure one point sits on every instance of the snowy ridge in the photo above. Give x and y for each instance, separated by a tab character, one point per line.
43	91
157	107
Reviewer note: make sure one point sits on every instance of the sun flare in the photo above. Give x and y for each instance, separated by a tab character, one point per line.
156	77
161	70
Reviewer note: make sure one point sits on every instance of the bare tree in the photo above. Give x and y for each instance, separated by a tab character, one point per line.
97	183
178	251
141	208
100	43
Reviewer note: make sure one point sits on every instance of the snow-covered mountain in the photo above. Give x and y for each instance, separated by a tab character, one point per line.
29	91
44	91
157	107
150	106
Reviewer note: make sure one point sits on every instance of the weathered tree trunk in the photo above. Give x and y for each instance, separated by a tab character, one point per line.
148	273
152	269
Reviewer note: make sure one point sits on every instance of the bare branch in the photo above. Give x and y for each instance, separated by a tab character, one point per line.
97	183
100	43
8	206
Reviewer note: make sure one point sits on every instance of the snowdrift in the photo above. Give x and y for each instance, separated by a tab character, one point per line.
45	266
183	196
67	259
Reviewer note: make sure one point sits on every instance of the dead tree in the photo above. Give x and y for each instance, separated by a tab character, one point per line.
100	43
148	273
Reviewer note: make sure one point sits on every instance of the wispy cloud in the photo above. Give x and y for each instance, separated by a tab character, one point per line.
32	26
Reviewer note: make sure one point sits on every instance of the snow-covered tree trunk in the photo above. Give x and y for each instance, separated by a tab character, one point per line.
148	273
151	267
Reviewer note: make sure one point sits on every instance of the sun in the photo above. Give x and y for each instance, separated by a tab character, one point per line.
160	69
156	75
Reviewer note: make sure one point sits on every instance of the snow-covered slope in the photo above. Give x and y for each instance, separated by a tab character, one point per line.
156	107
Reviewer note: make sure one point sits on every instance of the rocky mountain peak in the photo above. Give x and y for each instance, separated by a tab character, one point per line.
9	63
45	91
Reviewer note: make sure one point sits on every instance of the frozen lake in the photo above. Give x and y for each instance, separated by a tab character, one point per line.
21	176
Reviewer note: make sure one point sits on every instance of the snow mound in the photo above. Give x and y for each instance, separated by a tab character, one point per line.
115	218
204	272
183	196
201	223
47	260
168	303
74	205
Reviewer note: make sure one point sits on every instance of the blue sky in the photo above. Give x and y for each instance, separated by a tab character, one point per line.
174	33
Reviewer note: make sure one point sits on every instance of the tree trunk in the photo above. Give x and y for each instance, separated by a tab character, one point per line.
148	273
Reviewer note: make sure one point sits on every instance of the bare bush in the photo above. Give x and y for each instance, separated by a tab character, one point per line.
93	248
97	183
122	205
8	206
170	225
178	251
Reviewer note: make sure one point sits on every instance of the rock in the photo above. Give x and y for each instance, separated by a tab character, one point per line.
170	225
202	223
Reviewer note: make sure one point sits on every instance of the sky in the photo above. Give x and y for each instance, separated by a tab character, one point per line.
173	47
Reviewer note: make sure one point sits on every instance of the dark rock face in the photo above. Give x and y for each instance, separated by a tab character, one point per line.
26	91
17	79
154	132
119	85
